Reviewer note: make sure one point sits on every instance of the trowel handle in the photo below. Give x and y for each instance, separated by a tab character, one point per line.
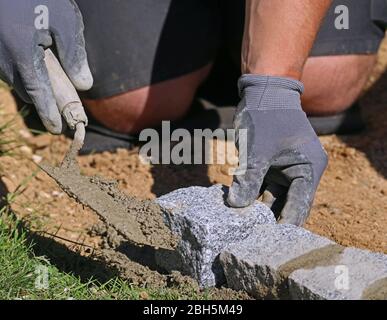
67	98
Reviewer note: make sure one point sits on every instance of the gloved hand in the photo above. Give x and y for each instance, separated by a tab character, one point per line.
284	157
22	44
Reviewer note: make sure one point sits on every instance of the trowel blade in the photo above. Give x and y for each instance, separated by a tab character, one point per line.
91	195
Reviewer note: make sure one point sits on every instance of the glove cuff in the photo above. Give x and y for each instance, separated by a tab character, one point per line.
267	92
248	80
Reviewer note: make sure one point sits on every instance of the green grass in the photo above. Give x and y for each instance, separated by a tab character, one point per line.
7	143
27	273
26	276
3	85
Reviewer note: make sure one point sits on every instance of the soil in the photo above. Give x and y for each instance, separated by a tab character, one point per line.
350	206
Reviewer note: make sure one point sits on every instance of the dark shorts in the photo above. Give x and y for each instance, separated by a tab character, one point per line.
132	43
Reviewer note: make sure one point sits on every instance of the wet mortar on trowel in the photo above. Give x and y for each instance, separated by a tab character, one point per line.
124	213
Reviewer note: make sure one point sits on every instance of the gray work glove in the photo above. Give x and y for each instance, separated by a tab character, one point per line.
284	157
23	38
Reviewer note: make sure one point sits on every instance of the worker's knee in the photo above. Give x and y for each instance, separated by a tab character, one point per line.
334	83
145	107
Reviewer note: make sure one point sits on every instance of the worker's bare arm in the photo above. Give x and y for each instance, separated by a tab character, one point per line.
284	159
279	35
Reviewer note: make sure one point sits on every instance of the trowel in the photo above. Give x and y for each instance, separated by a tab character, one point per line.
68	175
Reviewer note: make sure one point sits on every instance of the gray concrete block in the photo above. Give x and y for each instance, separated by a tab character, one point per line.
353	275
205	226
287	262
253	265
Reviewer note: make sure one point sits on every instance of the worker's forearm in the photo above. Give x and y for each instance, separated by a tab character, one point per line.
279	35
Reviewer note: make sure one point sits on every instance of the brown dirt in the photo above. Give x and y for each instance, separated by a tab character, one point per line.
350	206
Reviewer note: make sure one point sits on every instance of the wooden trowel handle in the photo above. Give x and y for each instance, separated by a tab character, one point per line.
67	98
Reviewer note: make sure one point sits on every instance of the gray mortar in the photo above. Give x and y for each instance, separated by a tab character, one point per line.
138	221
199	217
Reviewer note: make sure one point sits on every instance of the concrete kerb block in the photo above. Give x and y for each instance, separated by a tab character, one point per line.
287	262
205	226
355	274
